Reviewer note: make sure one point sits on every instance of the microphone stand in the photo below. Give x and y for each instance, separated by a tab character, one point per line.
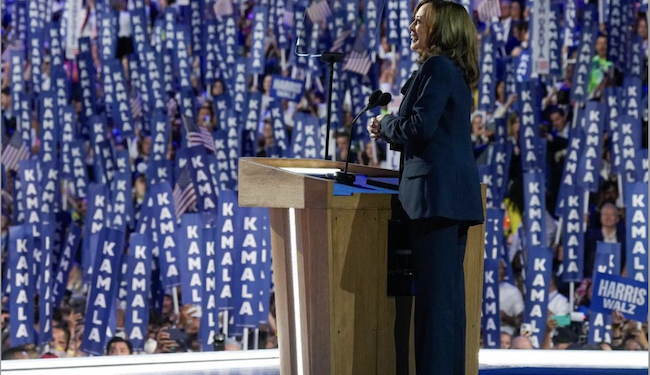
331	58
343	176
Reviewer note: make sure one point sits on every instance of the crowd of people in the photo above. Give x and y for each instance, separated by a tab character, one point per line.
605	217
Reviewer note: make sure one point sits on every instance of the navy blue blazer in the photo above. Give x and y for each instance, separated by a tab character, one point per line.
439	176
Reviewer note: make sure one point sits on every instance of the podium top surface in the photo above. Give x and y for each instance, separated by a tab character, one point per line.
303	183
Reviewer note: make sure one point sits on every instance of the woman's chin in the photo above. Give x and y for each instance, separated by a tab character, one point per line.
414	47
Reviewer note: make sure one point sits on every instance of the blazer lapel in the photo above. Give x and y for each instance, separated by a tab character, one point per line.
408	83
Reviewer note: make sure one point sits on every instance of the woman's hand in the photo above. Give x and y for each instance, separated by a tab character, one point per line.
374	129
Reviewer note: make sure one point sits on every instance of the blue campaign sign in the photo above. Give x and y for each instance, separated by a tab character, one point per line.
538	279
68	255
209	52
287	88
87	80
569	175
197	10
97	214
589	165
209	307
614	100
633	92
159	171
628	145
617	293
583	65
46	306
223	159
105	149
636	57
138	276
103	290
36	51
535	209
24	117
80	178
191	241
636	230
260	26
151	72
206	195
615	27
248	268
17	78
122	115
554	39
121	200
63	221
499	170
181	56
573	235
280	148
23	285
49	120
68	134
226	248
490	319
528	132
159	135
161	204
306	140
608	261
30	189
488	80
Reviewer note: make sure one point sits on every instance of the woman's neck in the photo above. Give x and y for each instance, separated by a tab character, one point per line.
608	231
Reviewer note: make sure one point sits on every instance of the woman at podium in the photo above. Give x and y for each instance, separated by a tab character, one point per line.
439	185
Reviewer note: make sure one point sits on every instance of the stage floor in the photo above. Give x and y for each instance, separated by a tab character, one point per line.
266	362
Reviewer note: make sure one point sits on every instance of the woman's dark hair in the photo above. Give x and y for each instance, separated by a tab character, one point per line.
117	339
453	34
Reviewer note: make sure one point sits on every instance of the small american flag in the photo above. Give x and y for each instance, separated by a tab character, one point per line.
14	152
198	135
223	8
358	62
183	194
14	46
319	11
340	40
488	9
136	106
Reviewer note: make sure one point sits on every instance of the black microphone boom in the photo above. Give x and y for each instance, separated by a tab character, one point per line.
377	98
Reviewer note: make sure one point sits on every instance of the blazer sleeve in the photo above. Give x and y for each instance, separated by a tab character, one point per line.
432	98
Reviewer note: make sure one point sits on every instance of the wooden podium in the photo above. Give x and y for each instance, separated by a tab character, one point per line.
330	270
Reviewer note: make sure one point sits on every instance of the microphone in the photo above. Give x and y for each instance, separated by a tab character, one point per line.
376	99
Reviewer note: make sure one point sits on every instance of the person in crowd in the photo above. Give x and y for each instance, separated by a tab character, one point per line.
373	155
342	139
119	346
503	104
522	342
206	117
506	340
480	138
642	31
9	117
558	304
609	231
599	69
60	338
511	303
433	125
18	352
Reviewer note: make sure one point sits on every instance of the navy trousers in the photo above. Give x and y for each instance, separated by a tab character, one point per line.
438	246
